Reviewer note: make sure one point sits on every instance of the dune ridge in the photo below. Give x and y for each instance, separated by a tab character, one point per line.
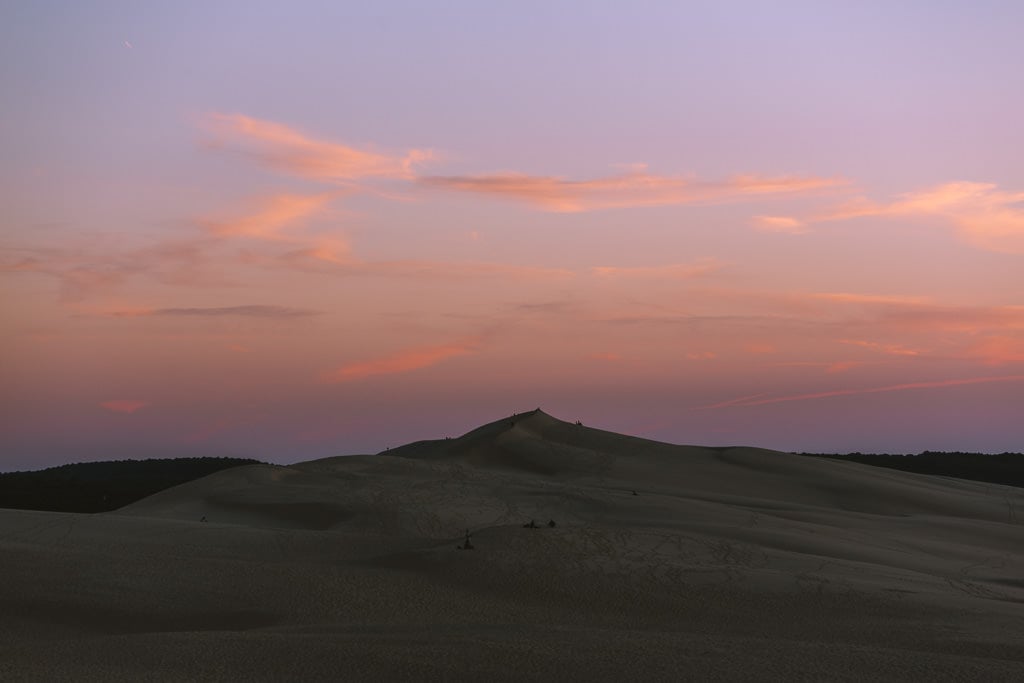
664	561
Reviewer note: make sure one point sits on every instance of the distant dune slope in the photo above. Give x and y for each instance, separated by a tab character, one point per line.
535	467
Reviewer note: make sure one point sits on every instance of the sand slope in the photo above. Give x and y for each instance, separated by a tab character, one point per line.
727	564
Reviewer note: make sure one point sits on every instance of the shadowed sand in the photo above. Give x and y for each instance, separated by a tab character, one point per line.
726	564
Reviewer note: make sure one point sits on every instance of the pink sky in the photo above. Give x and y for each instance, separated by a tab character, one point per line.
281	233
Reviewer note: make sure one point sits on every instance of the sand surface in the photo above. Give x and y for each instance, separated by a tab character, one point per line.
727	564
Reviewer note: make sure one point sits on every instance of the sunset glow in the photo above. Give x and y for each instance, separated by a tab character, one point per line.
283	232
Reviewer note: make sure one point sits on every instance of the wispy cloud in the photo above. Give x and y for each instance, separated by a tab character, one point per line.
970	319
998	349
323	261
270	216
83	272
983	214
677	271
890	349
250	311
629	190
124	405
739	401
291	151
854	298
757	401
830	367
403	361
786	224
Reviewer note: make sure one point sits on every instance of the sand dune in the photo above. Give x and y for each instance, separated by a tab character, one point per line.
726	564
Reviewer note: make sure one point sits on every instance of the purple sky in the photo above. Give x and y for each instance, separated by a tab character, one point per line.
295	230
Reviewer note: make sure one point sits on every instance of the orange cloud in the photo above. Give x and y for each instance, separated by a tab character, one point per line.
271	216
785	224
998	350
124	405
984	215
329	249
891	349
403	361
629	190
289	150
754	401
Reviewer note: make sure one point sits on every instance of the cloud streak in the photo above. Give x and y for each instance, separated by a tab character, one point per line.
250	311
889	349
983	214
291	151
401	362
634	189
270	216
784	224
83	272
678	271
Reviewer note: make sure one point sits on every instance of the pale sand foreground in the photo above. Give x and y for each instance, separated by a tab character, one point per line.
735	564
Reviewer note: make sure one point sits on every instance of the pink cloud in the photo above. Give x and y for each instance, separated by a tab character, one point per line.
785	224
891	349
842	366
403	361
287	149
984	215
630	190
270	216
998	350
124	405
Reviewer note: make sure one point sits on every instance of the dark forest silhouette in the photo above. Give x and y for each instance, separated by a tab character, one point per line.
103	486
1001	468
